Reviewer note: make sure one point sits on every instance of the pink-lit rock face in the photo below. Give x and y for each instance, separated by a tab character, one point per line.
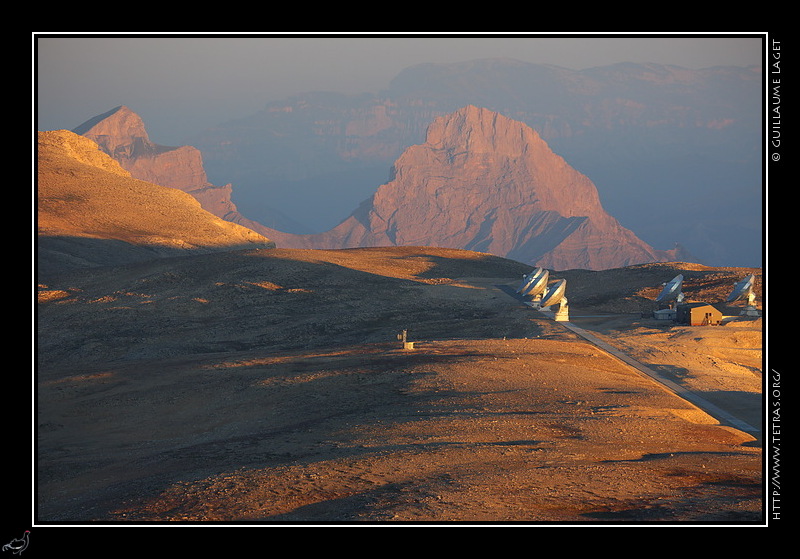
487	183
121	134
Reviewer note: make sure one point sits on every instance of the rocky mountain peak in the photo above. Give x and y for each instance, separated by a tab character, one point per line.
118	128
121	134
482	181
477	131
478	142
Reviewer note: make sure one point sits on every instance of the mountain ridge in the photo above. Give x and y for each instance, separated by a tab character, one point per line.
91	211
121	133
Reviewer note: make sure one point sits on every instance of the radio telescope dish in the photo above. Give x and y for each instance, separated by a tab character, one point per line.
528	279
536	286
743	289
672	291
555	295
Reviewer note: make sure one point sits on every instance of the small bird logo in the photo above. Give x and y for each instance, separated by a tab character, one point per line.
18	545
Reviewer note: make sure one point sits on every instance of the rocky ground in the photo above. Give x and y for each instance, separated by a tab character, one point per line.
269	387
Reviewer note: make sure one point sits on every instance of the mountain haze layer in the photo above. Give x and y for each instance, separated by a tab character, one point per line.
487	183
91	212
674	152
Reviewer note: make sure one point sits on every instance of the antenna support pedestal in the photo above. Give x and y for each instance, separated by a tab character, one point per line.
750	309
562	313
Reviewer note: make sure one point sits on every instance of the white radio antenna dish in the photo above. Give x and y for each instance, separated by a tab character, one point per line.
555	295
672	291
528	279
743	290
536	285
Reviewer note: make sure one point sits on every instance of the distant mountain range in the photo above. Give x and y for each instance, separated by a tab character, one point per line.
481	182
675	153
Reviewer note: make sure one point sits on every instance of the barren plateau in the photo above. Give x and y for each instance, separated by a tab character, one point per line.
268	386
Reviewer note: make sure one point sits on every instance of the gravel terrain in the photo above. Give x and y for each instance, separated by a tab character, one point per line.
269	387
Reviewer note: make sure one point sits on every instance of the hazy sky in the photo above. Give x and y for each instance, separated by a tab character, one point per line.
180	84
